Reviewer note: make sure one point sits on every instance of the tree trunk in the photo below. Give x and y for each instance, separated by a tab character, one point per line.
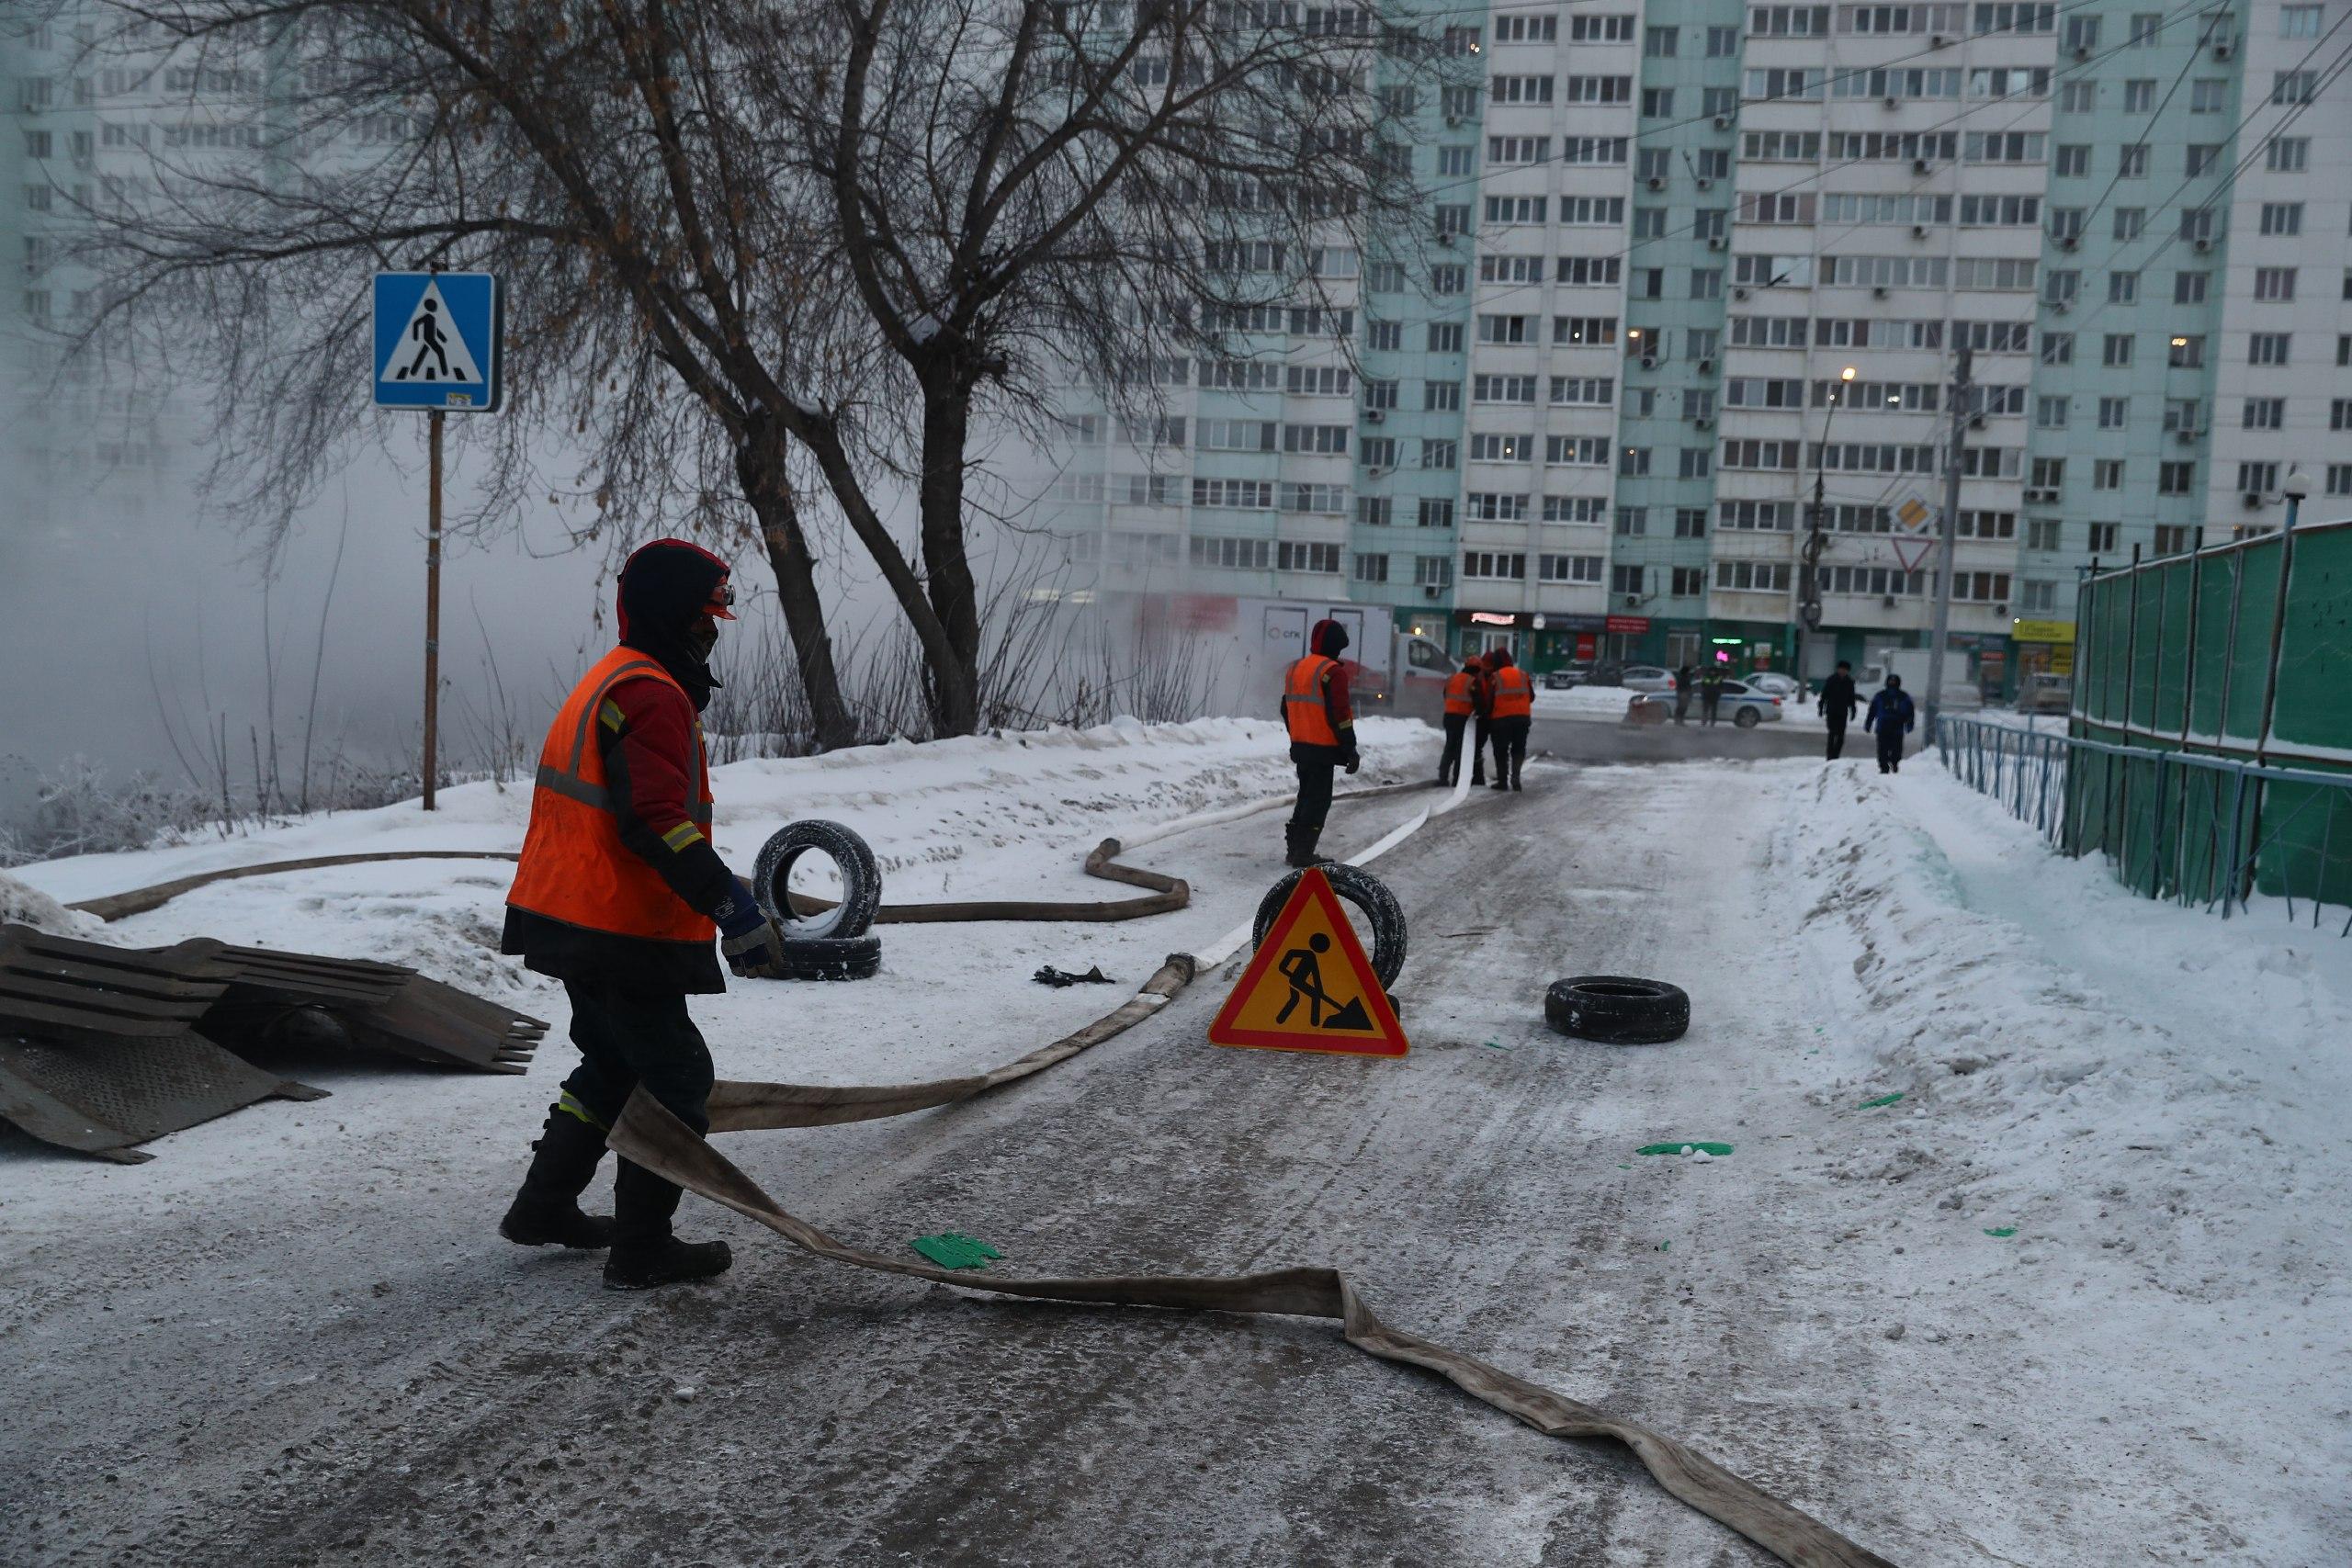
767	487
948	567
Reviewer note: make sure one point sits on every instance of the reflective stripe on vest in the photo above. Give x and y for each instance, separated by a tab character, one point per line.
1514	692
1457	692
1305	707
574	867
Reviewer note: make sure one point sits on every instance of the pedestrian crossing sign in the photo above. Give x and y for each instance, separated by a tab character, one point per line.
439	337
1309	987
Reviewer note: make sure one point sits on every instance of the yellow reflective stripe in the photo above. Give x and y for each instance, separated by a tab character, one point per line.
679	837
610	712
573	788
567	1104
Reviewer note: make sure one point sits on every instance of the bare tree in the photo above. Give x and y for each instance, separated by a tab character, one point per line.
767	259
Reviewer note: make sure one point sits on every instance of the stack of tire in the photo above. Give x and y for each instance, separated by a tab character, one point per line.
837	942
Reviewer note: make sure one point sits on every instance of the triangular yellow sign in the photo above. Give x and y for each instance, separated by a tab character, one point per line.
1309	987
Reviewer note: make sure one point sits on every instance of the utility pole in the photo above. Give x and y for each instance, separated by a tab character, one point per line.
1946	530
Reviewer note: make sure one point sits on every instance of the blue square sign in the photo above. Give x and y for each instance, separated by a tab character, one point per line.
438	337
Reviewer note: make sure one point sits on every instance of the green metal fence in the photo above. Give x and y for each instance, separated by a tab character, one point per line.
2241	653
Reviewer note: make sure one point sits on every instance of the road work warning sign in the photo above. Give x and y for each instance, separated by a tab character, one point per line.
1309	987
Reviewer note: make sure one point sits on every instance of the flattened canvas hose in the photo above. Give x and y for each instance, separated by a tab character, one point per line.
648	1134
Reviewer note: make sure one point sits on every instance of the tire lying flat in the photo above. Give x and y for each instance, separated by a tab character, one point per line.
1617	1010
832	958
1363	889
861	881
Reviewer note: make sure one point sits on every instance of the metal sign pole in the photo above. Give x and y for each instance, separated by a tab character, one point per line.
1948	529
433	605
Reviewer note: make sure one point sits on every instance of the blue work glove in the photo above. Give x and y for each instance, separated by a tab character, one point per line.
754	948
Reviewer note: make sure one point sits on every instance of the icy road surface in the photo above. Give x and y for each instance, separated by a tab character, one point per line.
296	1338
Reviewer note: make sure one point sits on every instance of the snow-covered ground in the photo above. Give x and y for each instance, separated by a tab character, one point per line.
2077	1297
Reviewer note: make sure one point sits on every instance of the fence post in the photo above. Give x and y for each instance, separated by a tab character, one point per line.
2270	675
2121	814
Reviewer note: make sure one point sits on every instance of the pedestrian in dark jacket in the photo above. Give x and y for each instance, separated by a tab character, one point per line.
1711	693
1684	679
1837	706
1890	716
1482	711
1316	711
619	894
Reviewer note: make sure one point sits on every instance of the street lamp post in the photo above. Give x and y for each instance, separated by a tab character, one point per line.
1809	556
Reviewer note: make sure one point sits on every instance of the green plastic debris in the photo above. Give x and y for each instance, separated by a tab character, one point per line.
2002	1230
1692	1147
953	1249
1881	1100
1666	1246
1497	1046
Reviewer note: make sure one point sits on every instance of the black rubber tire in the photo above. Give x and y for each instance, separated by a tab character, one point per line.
861	882
1363	889
1748	718
832	958
1617	1010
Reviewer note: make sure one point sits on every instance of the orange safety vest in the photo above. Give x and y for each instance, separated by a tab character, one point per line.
574	867
1457	692
1514	693
1305	707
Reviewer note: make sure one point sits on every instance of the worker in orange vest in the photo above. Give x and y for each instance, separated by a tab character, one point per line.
1322	727
1514	711
618	896
1459	707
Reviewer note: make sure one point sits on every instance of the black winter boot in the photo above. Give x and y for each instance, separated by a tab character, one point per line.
1301	844
547	1209
644	1252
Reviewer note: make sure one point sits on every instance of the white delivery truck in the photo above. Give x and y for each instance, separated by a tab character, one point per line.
1389	671
1911	663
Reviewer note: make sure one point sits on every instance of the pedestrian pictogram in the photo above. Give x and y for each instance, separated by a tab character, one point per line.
1309	987
437	341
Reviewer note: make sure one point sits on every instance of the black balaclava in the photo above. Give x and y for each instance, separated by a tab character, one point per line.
665	593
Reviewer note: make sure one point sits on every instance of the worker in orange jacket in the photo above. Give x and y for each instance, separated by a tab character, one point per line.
618	894
1514	715
1459	707
1322	724
1482	712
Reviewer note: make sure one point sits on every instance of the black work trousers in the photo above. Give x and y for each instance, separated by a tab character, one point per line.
1510	747
1837	735
629	1037
1316	765
1708	702
1482	729
1889	748
1449	766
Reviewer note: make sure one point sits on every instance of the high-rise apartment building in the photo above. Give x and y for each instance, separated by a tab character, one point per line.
1699	263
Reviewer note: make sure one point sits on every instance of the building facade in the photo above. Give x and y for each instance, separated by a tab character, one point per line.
1700	263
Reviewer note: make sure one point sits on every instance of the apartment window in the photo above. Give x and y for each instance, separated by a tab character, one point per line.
2209	94
1315	380
2344	349
1793	82
2040	596
2293	86
2339	415
1439	454
1593	210
1371	568
1292	555
1323	440
1706	283
2048	473
1375	510
2060	284
2298	21
1658	103
1490	447
1587	272
2274	284
1377	453
2122	288
2134	161
2139	96
1627	580
1517	208
1385	278
2186	353
2041	534
1580	451
1506	329
2202	156
1595	392
1631	521
2050	413
1649	223
1233	555
1456	161
1686	581
1441	396
1450	279
1432	571
2175	478
1584	331
1445	337
2282	218
1633	462
1612	29
1509	150
2288	155
1754	516
1573	509
1435	512
1695	463
2172	538
2145	26
2129	222
2057	348
2114	413
1569	568
2267	413
2002	146
1598	90
2267	348
1237	495
2256	478
1521	90
1526	29
1658	43
2079	97
1503	565
2116	350
1722	42
1385	337
2182	413
2188	288
2074	161
1502	390
1491	506
1752	576
2103	537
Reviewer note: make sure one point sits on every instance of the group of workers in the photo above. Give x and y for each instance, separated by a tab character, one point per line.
1494	699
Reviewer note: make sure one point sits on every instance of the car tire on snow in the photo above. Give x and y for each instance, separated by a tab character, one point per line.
832	958
1747	718
861	882
1363	889
1617	1010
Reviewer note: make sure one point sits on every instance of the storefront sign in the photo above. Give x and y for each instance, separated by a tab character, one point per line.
2042	631
1627	625
1491	619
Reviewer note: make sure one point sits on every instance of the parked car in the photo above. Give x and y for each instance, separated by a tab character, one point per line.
1772	682
2044	692
1564	678
1646	678
1603	672
1742	703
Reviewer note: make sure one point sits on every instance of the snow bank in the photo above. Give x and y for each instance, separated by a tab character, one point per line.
23	905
